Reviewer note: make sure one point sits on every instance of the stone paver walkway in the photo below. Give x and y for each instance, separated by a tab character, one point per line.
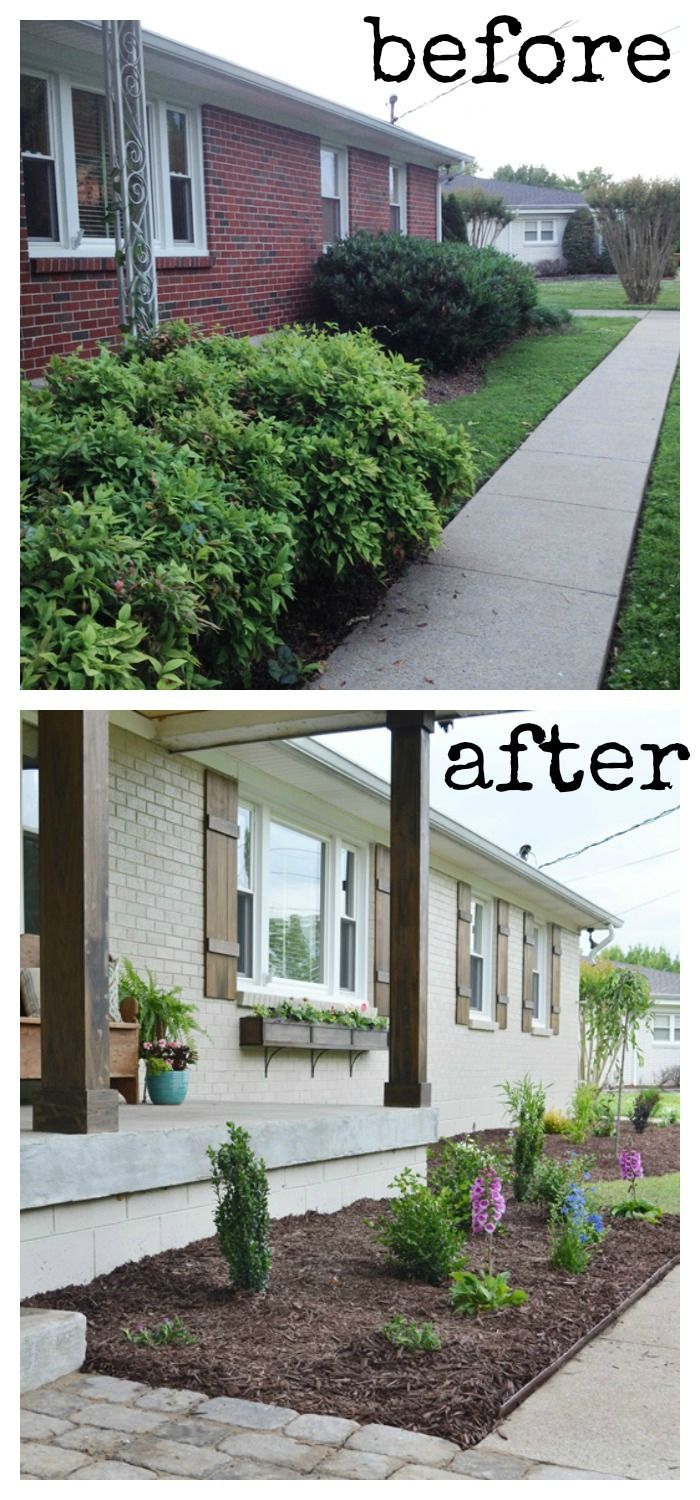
523	590
598	1418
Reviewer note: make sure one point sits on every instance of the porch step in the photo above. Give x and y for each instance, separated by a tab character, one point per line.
51	1344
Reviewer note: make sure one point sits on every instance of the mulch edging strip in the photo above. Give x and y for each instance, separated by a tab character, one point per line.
587	1338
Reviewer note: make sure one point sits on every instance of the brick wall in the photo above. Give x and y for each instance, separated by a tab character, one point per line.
264	233
157	919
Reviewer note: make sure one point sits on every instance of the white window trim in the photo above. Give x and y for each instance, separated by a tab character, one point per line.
673	1040
540	1023
68	246
484	1018
397	166
343	188
260	984
531	223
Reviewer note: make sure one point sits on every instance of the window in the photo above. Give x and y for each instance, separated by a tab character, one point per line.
539	232
296	905
397	198
666	1027
480	967
30	829
348	914
39	167
539	977
245	891
68	176
333	195
180	179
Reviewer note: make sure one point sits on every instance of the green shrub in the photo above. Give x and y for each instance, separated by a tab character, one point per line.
409	1336
544	319
585	1108
461	1162
580	243
440	304
483	1291
526	1107
643	1107
453	223
422	1241
555	1122
605	1121
176	498
241	1216
553	1180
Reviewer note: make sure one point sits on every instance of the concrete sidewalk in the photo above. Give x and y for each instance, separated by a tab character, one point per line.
611	1413
523	590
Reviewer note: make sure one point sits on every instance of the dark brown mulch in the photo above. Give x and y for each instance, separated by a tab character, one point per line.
450	384
313	1341
660	1146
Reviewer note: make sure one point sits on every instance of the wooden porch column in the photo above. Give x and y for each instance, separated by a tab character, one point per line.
75	1096
410	837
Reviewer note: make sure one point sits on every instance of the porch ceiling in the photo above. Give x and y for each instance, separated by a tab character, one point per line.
201	729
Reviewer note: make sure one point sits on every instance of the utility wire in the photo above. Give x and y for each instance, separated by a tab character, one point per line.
573	854
652	902
501	61
591	875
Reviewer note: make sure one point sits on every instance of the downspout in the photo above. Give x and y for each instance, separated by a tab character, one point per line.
596	948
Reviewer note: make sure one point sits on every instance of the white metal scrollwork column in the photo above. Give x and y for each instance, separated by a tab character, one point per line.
127	125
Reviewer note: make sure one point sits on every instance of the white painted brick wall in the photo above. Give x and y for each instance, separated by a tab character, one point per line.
157	920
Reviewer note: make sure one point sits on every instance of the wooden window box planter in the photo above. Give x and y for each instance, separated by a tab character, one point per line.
315	1037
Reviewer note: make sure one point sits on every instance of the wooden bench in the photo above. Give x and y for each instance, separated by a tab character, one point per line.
123	1036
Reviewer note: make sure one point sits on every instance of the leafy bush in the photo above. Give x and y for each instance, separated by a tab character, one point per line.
526	1106
177	497
422	1241
409	1336
555	1122
440	304
544	319
576	1230
643	1107
453	223
580	243
485	215
605	1122
481	1291
461	1162
550	268
584	1112
553	1180
241	1216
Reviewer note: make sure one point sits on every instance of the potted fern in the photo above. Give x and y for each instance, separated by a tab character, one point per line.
167	1024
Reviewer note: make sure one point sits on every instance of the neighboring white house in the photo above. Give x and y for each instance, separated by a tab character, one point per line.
660	1037
540	215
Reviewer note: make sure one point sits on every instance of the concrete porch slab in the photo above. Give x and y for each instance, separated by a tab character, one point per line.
51	1344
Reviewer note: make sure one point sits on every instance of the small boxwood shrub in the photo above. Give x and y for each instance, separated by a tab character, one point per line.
440	304
241	1216
176	498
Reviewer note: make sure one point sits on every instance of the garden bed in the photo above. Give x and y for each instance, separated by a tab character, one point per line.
313	1340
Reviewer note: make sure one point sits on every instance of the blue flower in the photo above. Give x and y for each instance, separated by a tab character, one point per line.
596	1223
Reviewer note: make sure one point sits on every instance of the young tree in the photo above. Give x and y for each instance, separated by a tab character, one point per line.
484	217
613	1003
639	223
453	225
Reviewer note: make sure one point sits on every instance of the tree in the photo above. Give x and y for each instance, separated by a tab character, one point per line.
613	1003
484	216
453	225
596	177
535	176
639	222
649	958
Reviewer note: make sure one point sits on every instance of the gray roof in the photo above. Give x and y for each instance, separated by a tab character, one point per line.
661	981
516	194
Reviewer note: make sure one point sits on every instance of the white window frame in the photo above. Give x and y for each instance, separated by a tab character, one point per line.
328	992
536	224
71	244
673	1038
401	202
252	890
487	905
342	155
540	1013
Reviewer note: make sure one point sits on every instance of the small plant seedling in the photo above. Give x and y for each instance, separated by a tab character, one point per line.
480	1291
170	1331
637	1208
409	1336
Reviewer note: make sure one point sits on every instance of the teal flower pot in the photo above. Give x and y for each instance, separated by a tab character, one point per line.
167	1088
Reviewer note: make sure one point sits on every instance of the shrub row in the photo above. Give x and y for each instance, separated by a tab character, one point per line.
178	497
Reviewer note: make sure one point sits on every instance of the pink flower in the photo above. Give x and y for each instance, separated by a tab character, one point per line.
488	1203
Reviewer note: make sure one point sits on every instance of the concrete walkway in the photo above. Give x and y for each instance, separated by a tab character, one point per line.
523	590
609	1414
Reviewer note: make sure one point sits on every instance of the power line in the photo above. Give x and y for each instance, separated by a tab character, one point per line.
651	902
575	852
628	864
443	94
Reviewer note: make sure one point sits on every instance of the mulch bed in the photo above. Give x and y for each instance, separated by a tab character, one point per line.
313	1340
450	384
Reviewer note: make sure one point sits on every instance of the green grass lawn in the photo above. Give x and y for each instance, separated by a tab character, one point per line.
568	292
524	383
664	1192
646	645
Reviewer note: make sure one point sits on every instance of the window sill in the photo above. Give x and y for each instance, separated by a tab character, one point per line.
62	263
252	996
541	1031
482	1023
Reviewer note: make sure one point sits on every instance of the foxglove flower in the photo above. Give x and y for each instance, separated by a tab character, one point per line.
631	1168
488	1203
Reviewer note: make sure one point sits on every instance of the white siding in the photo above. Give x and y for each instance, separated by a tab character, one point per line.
511	240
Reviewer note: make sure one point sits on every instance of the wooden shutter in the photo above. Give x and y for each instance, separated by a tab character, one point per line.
502	933
382	917
528	966
464	950
221	887
555	979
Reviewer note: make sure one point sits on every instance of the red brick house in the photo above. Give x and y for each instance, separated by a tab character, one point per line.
250	179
